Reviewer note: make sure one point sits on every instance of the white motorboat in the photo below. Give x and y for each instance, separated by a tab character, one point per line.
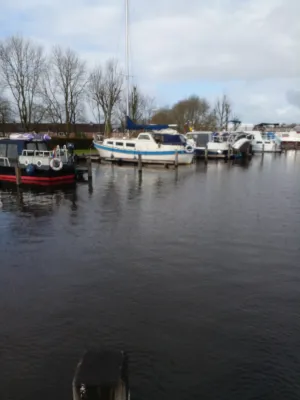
263	142
155	147
240	142
236	142
289	139
221	143
218	145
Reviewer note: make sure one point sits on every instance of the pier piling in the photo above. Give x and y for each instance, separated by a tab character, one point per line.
140	164
176	159
89	166
18	174
205	155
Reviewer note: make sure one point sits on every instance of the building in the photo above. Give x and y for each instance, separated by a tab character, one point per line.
86	131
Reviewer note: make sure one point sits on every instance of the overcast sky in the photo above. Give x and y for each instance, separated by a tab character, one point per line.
248	49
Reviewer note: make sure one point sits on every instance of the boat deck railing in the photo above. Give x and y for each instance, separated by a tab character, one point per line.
4	161
37	153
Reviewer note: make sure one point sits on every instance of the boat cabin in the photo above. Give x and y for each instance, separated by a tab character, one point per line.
200	138
13	148
145	137
101	376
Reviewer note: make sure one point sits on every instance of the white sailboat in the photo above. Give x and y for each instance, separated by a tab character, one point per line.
156	144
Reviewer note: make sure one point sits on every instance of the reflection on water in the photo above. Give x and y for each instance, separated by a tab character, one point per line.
193	271
35	201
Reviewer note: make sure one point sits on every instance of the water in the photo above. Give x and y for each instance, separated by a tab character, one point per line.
196	274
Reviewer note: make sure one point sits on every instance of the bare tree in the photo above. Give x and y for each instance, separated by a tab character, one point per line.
63	88
6	111
52	99
223	111
104	90
95	109
22	66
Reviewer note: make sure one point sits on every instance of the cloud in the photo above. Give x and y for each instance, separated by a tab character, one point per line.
248	48
293	97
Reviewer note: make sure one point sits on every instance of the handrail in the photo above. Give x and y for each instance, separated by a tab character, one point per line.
39	153
6	161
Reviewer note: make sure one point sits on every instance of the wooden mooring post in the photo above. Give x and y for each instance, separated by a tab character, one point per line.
176	159
18	175
89	167
140	163
205	155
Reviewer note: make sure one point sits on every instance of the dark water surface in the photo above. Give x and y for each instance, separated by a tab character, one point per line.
195	274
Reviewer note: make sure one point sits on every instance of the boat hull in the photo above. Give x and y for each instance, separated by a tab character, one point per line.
242	145
199	152
217	149
160	156
42	177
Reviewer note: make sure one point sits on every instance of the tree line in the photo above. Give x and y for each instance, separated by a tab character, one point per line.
58	88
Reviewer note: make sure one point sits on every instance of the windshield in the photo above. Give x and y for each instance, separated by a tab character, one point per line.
201	140
169	139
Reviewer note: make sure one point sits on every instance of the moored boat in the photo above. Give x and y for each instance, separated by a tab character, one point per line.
264	142
154	148
290	139
157	144
217	147
35	161
238	144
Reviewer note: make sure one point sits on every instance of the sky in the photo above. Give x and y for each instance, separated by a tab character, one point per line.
246	49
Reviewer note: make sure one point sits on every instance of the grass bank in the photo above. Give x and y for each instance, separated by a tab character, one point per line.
86	152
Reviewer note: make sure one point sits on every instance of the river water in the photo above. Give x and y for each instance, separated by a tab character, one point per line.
194	272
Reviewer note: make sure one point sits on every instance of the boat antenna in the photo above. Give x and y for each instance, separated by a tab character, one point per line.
127	54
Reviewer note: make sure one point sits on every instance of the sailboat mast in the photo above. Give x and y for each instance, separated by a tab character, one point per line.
127	54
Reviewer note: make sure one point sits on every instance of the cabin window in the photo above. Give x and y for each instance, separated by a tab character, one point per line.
110	143
12	151
2	150
42	146
201	140
119	144
31	146
144	137
130	144
169	139
258	142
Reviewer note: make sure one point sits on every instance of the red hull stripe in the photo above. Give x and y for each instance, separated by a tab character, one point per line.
39	180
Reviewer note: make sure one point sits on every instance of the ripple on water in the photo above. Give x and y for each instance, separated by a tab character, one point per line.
194	272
